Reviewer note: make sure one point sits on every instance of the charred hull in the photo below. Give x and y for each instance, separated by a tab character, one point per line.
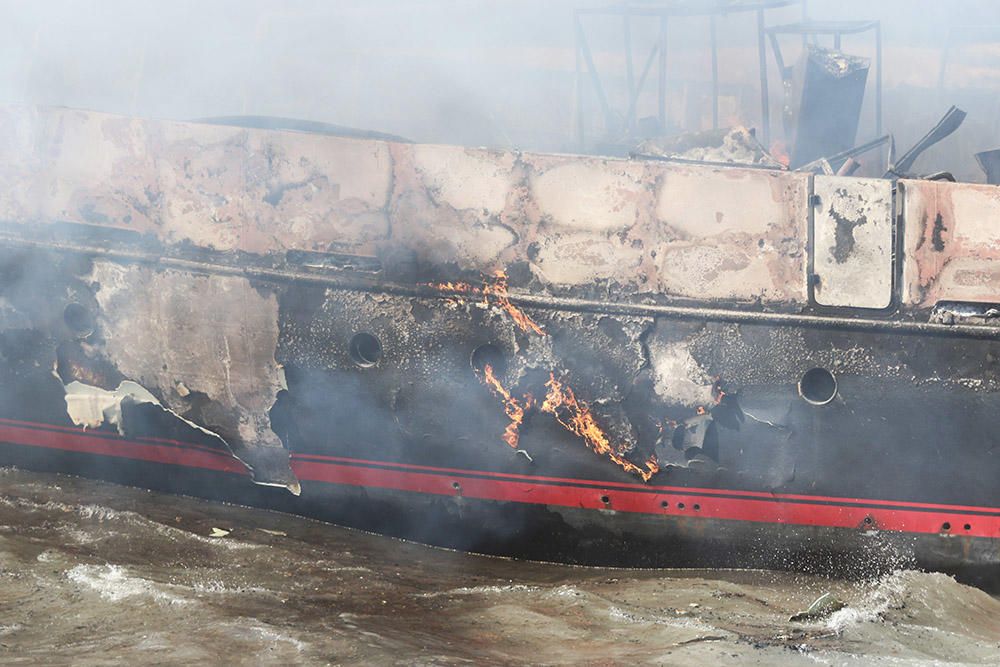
780	469
460	347
580	528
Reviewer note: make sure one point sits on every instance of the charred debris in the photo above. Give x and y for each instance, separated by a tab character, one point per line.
415	270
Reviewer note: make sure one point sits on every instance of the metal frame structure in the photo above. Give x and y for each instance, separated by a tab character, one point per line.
664	11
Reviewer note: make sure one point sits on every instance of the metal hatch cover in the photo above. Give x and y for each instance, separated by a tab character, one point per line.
852	249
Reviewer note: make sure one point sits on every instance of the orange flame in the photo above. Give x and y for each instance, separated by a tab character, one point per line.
560	401
511	406
497	290
779	151
575	416
464	288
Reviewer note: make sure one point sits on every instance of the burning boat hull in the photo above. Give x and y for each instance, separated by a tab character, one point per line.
558	357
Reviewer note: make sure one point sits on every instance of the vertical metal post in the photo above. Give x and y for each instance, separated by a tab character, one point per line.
878	79
836	41
715	72
662	84
641	83
629	70
765	110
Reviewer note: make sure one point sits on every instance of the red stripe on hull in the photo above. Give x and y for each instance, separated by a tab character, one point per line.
107	445
679	501
652	487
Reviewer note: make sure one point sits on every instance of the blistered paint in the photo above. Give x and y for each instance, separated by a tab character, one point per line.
951	242
184	333
638	227
589	195
852	227
678	376
732	234
466	179
91	407
212	186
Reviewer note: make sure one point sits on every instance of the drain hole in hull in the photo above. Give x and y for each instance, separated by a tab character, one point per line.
488	355
818	386
78	320
365	350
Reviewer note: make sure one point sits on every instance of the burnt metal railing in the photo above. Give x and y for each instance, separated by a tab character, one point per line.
664	12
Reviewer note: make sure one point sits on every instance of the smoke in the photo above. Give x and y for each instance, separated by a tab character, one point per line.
451	72
497	73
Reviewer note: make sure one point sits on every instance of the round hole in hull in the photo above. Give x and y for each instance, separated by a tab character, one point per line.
365	350
78	320
488	355
818	386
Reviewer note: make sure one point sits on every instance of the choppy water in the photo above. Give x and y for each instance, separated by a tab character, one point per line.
92	573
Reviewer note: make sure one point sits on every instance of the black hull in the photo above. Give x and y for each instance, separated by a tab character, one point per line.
899	468
579	359
582	526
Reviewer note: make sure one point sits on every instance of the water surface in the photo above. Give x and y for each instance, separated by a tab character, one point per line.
92	573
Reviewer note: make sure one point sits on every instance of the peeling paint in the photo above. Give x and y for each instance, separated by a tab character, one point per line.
657	314
679	378
91	407
181	335
683	231
951	247
853	249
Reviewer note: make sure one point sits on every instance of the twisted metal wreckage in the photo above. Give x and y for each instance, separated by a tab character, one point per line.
587	359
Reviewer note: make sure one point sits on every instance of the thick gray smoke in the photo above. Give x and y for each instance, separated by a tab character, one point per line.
497	73
223	283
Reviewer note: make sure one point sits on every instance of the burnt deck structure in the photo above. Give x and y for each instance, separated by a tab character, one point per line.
552	356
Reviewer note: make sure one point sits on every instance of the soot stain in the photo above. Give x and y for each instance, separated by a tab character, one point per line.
937	242
844	235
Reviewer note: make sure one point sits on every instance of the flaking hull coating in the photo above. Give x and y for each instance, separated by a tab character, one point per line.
556	357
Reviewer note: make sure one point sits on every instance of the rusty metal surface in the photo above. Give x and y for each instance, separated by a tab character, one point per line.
534	314
852	228
950	241
412	212
683	231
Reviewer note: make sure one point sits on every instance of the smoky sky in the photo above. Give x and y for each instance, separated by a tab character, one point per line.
498	73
